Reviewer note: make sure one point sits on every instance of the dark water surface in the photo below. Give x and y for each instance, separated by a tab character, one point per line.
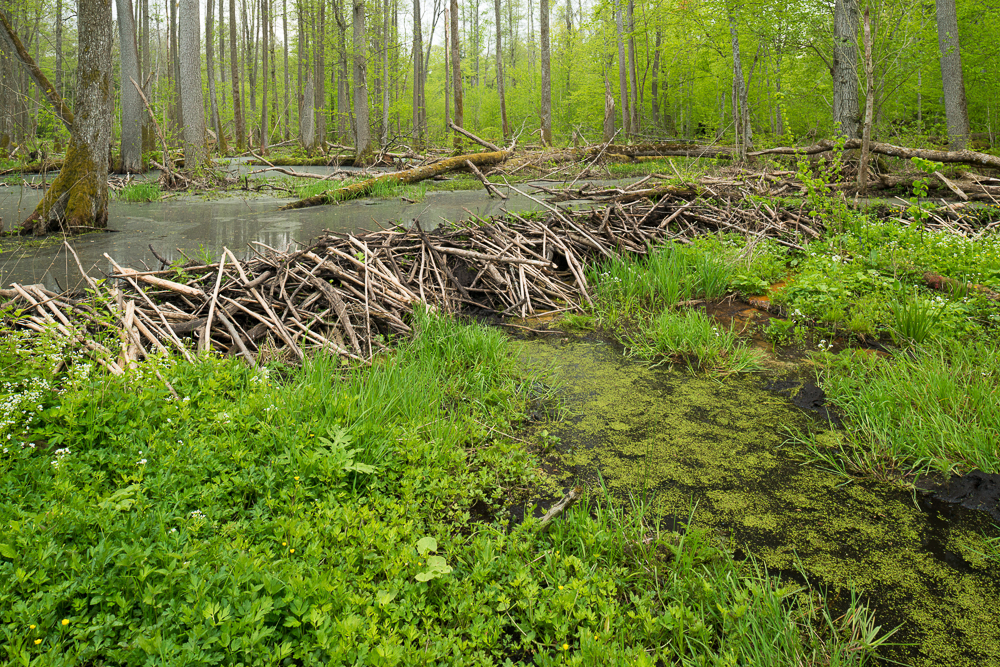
687	440
202	227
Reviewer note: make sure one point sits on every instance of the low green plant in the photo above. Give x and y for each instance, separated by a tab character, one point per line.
321	515
914	318
135	193
931	409
577	322
693	337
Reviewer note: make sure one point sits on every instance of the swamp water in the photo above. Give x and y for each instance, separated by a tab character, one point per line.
689	440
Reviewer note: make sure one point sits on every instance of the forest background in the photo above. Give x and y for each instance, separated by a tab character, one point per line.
287	70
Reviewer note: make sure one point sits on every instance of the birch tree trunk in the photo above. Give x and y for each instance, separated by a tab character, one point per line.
132	109
845	68
362	131
192	104
77	200
955	108
543	33
234	69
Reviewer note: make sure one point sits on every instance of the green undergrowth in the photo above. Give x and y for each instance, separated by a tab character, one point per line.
932	408
647	300
334	514
136	193
929	405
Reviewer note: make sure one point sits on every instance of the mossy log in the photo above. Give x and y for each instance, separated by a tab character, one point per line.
416	175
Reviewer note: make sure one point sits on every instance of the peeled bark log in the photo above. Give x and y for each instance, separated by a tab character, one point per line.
401	178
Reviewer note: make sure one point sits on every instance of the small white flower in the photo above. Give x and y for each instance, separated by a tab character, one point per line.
141	462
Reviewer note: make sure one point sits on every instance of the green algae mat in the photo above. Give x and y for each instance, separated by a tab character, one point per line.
685	440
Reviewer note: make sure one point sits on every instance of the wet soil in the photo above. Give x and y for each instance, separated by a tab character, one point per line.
687	443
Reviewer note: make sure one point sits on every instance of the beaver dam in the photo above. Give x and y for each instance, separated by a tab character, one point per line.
688	439
352	293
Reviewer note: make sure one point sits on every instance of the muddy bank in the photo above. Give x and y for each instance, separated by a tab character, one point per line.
688	441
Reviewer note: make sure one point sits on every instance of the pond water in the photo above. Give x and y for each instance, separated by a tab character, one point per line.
688	441
201	226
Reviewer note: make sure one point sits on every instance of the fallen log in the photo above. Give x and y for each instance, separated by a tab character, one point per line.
415	175
949	157
945	284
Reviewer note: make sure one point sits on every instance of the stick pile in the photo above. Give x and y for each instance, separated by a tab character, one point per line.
350	294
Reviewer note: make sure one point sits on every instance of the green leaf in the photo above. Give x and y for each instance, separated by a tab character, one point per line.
8	551
426	545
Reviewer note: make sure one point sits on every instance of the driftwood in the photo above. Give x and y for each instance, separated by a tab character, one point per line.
399	178
559	508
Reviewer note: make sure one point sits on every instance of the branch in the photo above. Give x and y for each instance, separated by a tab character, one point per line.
10	37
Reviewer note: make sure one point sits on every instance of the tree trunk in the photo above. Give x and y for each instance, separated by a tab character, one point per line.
609	112
633	88
418	77
265	119
307	128
319	78
623	95
741	112
952	80
362	131
77	200
543	34
234	69
286	114
192	104
59	49
869	107
175	64
845	68
210	71
456	73
655	101
148	135
500	81
386	38
132	110
343	80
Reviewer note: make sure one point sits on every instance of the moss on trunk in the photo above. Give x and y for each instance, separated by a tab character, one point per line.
77	201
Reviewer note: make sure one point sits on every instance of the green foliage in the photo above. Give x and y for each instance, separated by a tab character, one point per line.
135	193
693	337
932	409
323	518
